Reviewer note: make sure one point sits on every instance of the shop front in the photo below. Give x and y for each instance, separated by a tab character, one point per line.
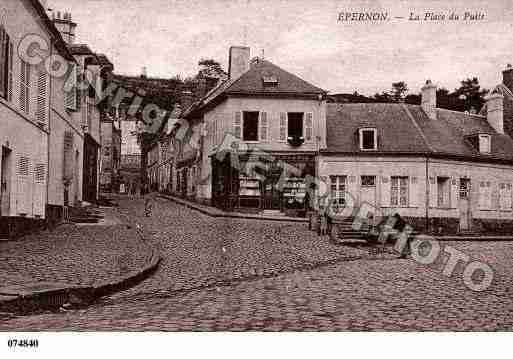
270	182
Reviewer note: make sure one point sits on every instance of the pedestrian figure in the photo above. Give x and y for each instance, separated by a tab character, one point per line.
148	205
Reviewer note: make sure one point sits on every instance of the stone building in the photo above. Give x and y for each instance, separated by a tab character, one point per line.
40	139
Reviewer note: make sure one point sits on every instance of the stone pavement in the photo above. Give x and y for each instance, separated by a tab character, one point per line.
73	254
227	274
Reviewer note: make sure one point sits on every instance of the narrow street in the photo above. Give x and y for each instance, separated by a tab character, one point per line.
229	274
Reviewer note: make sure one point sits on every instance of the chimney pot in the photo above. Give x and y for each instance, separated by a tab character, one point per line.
507	77
495	111
428	101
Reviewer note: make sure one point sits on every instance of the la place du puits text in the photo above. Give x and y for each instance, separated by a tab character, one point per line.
351	16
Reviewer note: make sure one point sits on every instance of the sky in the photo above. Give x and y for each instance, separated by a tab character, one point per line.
169	37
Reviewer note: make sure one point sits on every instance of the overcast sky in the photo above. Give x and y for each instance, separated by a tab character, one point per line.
304	37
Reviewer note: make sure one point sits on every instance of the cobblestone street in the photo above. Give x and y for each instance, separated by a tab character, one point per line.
231	274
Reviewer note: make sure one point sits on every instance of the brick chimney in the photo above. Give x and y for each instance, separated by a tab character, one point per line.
507	77
428	101
495	111
65	25
238	61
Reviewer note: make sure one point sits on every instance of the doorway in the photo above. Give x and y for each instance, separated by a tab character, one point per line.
5	182
368	190
464	205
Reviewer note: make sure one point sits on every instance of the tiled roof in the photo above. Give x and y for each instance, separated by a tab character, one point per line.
80	49
406	129
251	83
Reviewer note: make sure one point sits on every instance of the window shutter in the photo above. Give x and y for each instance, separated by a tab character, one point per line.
264	126
3	60
68	156
10	75
25	87
24	187
41	108
433	193
308	126
413	188
455	193
39	195
283	126
386	185
71	86
505	196
237	124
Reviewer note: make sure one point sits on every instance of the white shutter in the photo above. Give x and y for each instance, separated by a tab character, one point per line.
39	195
264	127
385	191
283	126
433	192
308	126
352	188
42	93
24	87
71	88
10	76
3	60
237	124
455	192
24	187
413	189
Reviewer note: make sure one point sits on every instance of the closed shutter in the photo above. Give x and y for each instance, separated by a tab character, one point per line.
352	188
308	126
68	167
3	60
71	88
385	191
24	87
10	76
264	127
42	93
39	195
413	194
455	193
283	126
237	124
24	187
433	193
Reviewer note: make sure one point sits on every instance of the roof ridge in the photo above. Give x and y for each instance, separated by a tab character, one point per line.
412	119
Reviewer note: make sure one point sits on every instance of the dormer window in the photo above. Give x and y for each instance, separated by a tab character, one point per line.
368	139
270	81
484	143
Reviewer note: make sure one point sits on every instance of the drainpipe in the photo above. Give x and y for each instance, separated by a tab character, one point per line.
427	193
50	82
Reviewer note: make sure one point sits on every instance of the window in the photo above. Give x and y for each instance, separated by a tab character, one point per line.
464	188
264	126
485	195
368	181
250	126
443	189
270	81
6	48
338	190
25	87
505	196
399	192
484	143
368	139
295	124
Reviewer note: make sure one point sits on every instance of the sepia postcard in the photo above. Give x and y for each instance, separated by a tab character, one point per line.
254	166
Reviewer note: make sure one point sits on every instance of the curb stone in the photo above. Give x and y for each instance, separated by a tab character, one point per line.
217	213
76	296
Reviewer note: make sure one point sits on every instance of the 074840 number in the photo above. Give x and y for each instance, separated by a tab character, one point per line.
22	343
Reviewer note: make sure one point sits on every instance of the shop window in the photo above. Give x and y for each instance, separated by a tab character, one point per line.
250	126
443	191
399	192
368	139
